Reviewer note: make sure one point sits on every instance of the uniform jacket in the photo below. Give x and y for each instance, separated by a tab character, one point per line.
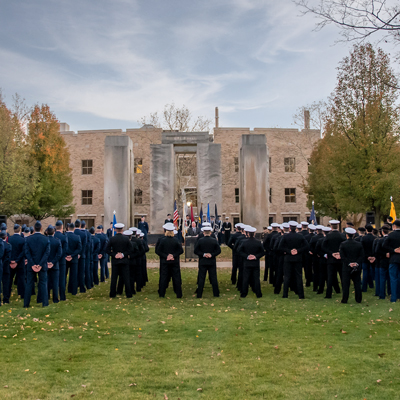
119	244
103	242
331	245
350	252
251	246
367	242
6	258
292	241
83	237
37	250
96	247
55	252
169	245
391	243
233	238
380	253
64	244
74	247
17	251
207	244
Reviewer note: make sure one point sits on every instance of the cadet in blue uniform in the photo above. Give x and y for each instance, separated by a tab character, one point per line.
144	227
88	257
96	247
368	264
53	272
102	253
1	264
37	250
74	251
5	261
62	263
82	258
17	262
392	246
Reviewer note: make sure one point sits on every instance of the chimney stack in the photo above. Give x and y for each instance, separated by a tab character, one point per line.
306	119
216	117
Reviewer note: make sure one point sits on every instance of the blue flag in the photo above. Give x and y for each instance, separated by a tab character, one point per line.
201	216
313	219
114	222
208	212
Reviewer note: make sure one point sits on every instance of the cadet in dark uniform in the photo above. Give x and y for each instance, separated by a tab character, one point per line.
169	219
82	258
227	229
102	254
368	264
88	279
143	259
62	263
279	257
351	255
315	258
268	254
37	250
169	250
293	245
5	261
207	248
251	250
74	251
119	248
17	262
53	272
330	246
382	263
392	246
96	247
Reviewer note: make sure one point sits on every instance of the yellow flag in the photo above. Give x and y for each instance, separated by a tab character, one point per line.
392	210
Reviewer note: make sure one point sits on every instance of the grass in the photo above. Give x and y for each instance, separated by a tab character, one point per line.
91	347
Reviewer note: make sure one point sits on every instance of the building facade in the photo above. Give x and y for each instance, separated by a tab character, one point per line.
255	176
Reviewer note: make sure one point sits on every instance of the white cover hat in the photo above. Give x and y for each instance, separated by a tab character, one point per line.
133	229
334	222
350	231
305	223
119	226
206	228
326	229
299	226
169	226
312	227
293	223
206	224
127	233
269	228
142	234
285	225
320	227
250	229
138	231
275	225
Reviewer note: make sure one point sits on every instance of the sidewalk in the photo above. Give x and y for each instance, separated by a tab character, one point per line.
194	264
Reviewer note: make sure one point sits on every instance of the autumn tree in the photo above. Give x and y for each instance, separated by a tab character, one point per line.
177	119
52	195
356	166
17	177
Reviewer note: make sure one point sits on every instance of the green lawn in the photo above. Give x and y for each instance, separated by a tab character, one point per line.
91	347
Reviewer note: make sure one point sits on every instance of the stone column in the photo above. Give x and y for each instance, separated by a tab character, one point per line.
254	181
209	176
118	179
162	185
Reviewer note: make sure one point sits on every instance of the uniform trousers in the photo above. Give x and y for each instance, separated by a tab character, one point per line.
6	285
316	272
323	275
377	275
251	275
88	271
107	271
19	273
278	274
308	273
347	275
53	282
95	269
81	274
234	268
42	287
212	273
103	267
166	271
121	271
290	269
384	280
227	237
62	278
367	276
72	269
332	279
394	272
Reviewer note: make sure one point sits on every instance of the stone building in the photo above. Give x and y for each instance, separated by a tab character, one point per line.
254	176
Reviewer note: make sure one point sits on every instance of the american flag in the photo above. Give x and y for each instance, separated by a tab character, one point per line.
176	215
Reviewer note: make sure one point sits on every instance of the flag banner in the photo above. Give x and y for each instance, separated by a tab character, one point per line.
114	222
313	219
208	213
176	215
201	216
216	212
191	214
392	210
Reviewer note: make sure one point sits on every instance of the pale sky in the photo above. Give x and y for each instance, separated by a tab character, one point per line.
104	64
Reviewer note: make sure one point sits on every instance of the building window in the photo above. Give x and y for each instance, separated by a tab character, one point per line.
290	164
87	197
136	221
138	166
236	163
87	166
65	221
270	220
138	196
270	195
290	218
236	220
236	195
290	195
269	165
89	222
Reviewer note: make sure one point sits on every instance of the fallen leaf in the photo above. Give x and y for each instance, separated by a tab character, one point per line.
165	397
5	386
83	386
199	389
379	380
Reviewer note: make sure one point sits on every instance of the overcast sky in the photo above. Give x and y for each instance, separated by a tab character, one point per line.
103	64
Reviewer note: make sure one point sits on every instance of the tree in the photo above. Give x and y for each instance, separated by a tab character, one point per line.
356	166
17	177
317	115
52	195
358	19
177	119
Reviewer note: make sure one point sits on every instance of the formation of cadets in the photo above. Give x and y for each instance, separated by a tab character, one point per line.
59	262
